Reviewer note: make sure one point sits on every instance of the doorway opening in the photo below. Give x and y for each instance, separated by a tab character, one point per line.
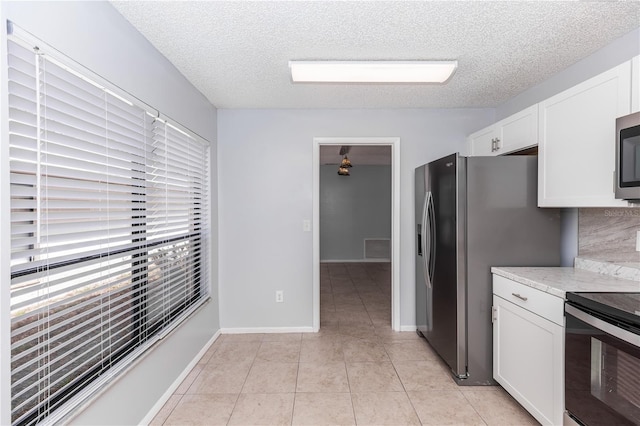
365	264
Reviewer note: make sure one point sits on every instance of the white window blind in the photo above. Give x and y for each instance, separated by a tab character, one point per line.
109	209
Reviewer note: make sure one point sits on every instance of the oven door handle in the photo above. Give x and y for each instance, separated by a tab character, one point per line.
627	336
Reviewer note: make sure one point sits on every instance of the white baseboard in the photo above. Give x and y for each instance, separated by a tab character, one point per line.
246	330
169	392
408	328
355	261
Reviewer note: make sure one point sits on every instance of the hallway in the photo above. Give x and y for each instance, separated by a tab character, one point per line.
356	370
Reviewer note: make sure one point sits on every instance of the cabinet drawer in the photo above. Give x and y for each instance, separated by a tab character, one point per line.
544	304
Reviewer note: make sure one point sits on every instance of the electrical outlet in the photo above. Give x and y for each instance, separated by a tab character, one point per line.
306	225
279	296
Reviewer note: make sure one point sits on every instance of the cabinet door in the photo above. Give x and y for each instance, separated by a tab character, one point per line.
577	141
482	142
511	134
518	131
528	358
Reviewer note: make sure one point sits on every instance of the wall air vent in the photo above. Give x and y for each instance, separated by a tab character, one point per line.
377	249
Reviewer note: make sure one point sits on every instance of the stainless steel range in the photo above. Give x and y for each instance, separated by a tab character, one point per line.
602	359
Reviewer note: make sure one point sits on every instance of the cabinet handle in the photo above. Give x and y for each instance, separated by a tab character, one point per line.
497	144
524	299
493	144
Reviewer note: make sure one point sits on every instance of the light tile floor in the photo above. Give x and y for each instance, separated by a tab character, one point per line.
356	370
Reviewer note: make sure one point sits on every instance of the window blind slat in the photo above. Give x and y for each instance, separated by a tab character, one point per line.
93	142
64	325
79	300
26	184
63	118
61	205
135	176
20	58
126	281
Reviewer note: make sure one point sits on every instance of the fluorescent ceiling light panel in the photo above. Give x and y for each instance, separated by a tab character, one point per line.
372	71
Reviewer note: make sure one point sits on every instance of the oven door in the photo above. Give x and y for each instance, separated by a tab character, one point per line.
602	371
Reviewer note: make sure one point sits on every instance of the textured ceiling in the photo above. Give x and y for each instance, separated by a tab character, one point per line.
237	53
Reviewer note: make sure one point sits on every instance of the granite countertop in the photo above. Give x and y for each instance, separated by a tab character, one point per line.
620	268
560	280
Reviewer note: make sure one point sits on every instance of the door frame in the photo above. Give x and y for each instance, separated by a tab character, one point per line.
394	143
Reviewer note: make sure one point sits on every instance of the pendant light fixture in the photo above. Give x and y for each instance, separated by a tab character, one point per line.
343	170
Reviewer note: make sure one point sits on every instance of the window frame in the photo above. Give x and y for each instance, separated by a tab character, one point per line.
145	337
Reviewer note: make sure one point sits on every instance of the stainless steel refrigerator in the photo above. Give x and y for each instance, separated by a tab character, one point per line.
473	213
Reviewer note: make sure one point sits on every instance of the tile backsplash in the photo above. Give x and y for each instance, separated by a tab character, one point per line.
608	233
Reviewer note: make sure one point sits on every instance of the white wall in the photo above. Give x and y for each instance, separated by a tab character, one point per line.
353	208
97	36
265	192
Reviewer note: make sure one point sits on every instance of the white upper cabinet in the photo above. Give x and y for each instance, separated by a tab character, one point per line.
482	142
635	84
518	131
511	134
577	141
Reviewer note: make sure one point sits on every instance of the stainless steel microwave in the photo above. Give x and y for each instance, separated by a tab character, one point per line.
627	175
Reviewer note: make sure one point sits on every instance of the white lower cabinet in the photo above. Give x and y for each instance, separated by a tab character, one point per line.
528	348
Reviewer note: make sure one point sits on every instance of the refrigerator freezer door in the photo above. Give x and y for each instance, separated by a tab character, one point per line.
447	333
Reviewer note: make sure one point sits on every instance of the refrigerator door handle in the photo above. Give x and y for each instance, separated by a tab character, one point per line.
425	248
428	234
431	258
